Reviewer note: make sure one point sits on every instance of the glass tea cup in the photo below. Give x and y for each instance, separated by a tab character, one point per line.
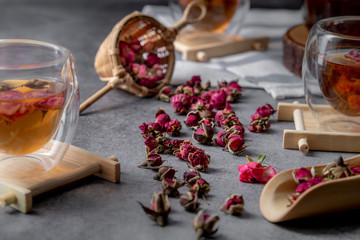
331	73
38	106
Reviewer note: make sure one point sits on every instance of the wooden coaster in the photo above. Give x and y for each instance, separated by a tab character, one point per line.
308	134
201	46
294	45
76	164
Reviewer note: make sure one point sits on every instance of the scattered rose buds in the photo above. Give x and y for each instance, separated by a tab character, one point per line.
255	172
190	178
153	161
173	127
165	172
204	134
233	205
189	201
160	208
204	224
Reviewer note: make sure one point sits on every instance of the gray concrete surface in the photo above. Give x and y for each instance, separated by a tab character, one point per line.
97	209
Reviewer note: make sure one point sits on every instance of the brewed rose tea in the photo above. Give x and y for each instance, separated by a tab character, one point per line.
30	113
218	15
340	82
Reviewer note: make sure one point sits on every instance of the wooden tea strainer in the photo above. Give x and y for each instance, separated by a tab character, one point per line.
120	60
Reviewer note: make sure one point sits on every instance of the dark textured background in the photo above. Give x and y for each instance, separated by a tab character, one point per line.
97	209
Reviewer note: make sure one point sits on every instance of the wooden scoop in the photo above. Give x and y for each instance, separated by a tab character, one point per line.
327	197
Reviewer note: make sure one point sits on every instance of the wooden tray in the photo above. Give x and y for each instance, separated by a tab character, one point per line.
201	46
308	132
76	164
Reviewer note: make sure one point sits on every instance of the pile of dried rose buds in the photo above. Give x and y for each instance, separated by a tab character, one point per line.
146	71
306	178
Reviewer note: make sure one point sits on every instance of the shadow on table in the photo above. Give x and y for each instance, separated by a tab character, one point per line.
330	223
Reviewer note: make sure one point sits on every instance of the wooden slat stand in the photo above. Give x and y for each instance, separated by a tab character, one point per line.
76	164
309	132
201	46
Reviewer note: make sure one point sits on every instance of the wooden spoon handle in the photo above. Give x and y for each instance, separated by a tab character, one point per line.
95	97
185	20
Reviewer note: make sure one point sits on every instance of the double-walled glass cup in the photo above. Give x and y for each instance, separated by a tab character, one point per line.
331	73
38	106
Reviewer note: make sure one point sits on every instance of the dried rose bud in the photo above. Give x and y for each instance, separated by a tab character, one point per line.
199	160
260	124
192	118
170	186
354	55
302	175
181	103
153	161
189	201
302	187
221	138
266	110
160	208
151	143
235	144
337	169
218	99
204	224
221	115
355	170
204	134
236	129
150	129
172	146
152	59
184	150
173	127
234	205
201	187
194	82
255	171
190	178
165	172
230	121
162	117
229	94
206	96
164	94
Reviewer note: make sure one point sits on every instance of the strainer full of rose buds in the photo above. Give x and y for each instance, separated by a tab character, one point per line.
138	54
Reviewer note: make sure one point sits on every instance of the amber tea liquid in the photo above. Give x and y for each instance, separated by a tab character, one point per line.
340	83
30	113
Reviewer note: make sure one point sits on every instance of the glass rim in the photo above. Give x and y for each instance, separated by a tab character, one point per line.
65	53
320	26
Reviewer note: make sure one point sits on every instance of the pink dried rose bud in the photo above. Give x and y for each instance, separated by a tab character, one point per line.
266	111
164	94
204	224
355	170
261	124
221	115
200	105
237	129
173	127
194	82
230	121
303	174
206	96
218	99
172	146
185	149
170	186
337	169
165	172
190	178
199	160
302	187
221	138
150	129
162	117
255	172
181	103
235	144
153	160
201	187
354	55
192	118
151	143
152	59
160	208
233	205
203	134
189	201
